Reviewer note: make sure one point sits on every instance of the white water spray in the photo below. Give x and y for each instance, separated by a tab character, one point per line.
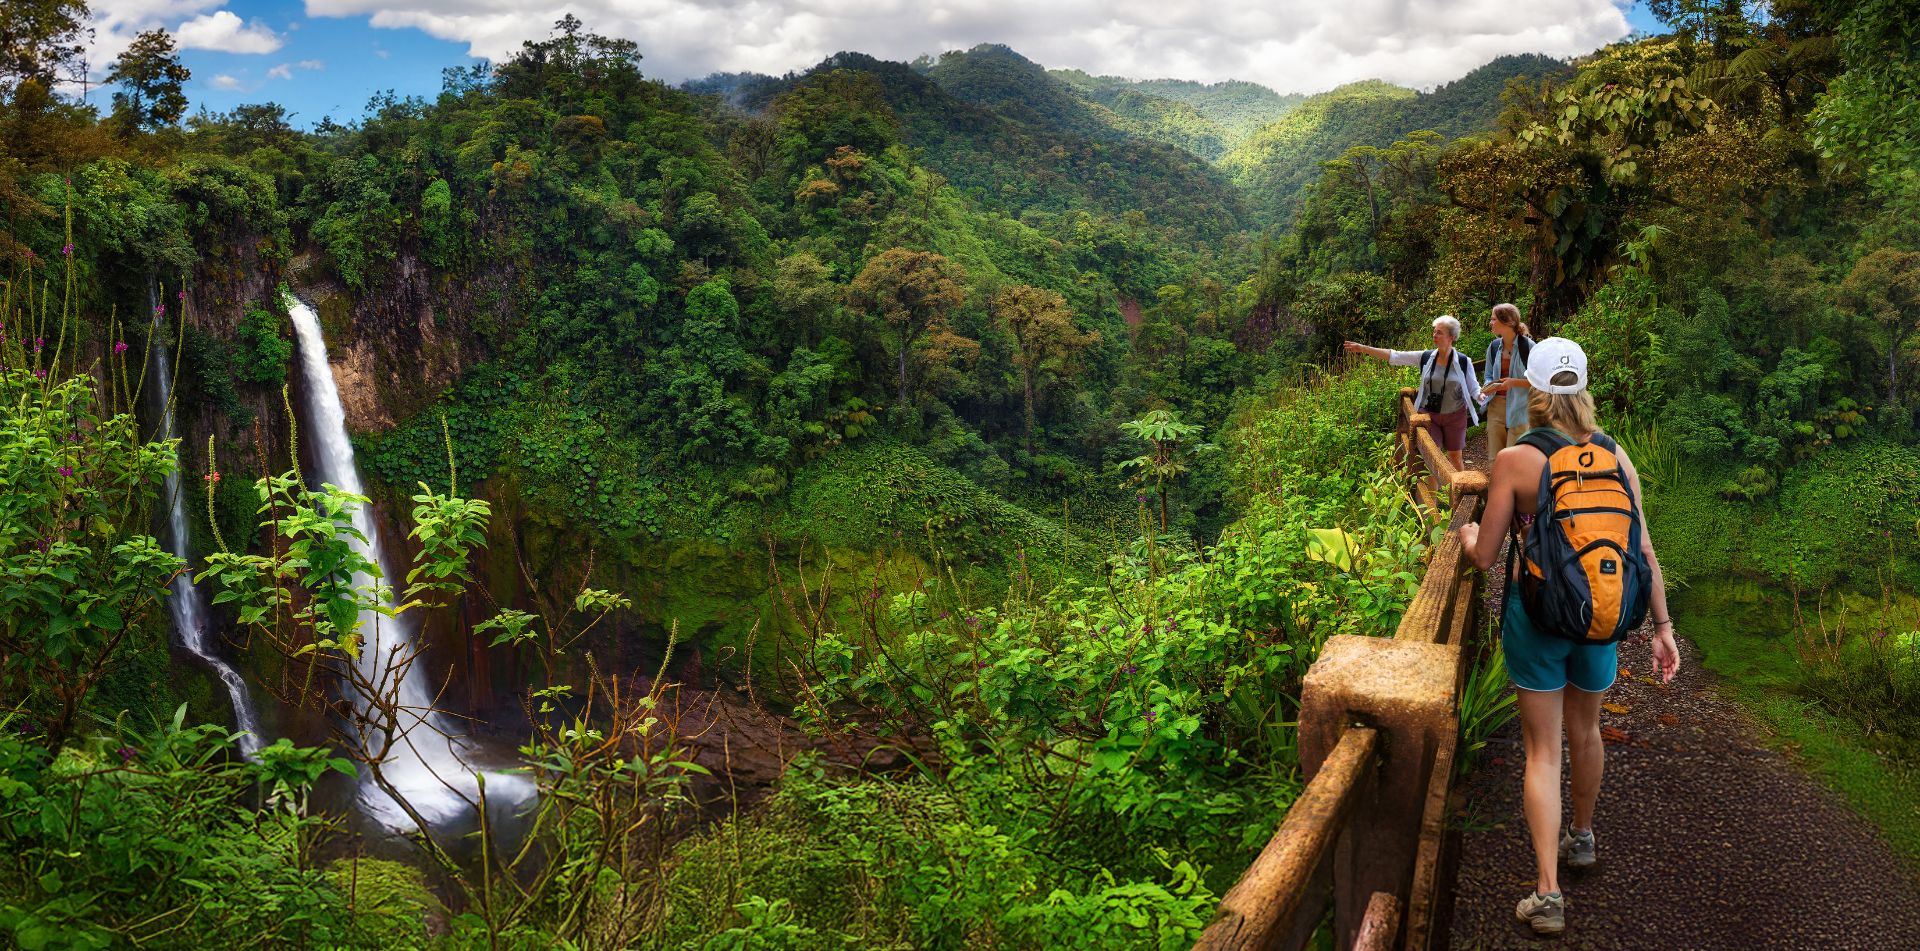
427	764
189	611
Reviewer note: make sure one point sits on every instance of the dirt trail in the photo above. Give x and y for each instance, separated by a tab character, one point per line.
1707	838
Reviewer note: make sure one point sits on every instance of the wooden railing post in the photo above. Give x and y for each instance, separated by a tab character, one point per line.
1378	731
1405	690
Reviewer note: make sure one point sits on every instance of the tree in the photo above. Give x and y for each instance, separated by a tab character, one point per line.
150	75
40	39
803	290
914	292
1722	23
1166	458
1885	285
1045	337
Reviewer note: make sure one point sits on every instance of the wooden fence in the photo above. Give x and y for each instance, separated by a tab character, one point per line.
1379	724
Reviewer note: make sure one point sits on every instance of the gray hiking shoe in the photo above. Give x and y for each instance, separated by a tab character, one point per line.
1545	914
1577	849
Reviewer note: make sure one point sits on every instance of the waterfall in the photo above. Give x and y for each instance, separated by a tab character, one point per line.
427	764
188	610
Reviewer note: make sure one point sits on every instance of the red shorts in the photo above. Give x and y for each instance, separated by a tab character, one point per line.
1449	429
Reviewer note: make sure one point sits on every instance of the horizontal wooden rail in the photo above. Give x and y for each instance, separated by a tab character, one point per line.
1381	925
1259	911
1370	828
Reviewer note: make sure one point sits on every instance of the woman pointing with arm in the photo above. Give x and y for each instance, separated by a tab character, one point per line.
1448	386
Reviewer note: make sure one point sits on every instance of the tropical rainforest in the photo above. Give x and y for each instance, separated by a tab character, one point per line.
885	505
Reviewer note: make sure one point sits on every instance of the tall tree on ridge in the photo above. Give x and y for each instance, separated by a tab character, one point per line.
150	75
914	291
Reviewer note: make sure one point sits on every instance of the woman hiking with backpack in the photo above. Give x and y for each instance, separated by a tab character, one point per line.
1506	371
1586	575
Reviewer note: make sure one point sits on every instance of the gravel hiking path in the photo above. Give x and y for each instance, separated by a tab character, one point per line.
1707	838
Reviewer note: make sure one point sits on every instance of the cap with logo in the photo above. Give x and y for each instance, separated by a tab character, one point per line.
1552	356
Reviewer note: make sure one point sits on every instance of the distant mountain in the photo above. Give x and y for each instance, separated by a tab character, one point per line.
996	77
1020	138
735	89
1205	118
1003	131
1274	163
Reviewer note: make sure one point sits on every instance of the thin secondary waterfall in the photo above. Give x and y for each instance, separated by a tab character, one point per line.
426	764
189	612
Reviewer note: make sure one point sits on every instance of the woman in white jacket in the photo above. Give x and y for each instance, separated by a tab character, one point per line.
1449	389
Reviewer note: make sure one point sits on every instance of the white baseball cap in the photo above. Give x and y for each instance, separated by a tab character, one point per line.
1549	358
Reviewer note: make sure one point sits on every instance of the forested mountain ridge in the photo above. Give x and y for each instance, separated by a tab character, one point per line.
1208	119
1048	153
1275	163
1002	127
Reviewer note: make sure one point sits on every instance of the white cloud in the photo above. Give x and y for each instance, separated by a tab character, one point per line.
225	32
282	71
311	64
116	22
1291	45
226	82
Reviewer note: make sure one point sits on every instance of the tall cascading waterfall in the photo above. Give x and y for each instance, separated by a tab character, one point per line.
427	764
189	612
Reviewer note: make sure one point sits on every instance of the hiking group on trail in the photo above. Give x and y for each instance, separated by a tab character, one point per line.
1580	574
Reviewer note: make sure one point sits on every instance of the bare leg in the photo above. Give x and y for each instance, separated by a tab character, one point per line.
1496	428
1582	712
1540	731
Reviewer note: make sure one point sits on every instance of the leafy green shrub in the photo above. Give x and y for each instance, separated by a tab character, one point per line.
1839	505
828	864
260	349
1146	713
390	902
416	451
143	838
207	369
79	577
1873	679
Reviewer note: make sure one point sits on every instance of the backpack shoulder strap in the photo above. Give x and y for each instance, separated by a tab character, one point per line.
1546	439
1524	344
1426	357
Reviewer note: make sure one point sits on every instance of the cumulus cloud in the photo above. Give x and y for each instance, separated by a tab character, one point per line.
116	22
224	31
1290	45
311	64
282	71
225	82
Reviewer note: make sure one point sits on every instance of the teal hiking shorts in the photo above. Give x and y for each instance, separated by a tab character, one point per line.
1538	661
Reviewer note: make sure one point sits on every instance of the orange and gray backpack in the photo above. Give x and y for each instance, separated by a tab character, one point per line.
1585	577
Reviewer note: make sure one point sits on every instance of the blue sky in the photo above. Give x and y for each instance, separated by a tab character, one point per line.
323	58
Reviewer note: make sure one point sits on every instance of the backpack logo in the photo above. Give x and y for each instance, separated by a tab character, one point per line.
1609	567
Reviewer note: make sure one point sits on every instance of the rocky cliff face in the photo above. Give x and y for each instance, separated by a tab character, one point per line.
398	345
